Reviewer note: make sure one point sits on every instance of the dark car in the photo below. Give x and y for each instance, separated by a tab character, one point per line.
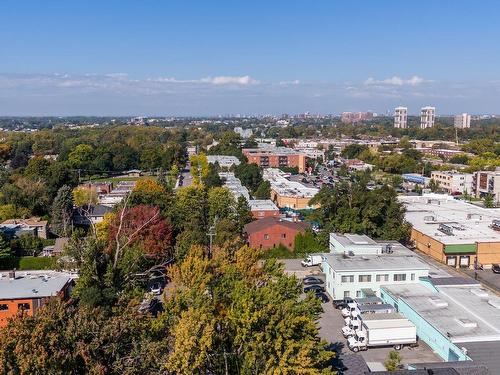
341	303
495	268
322	296
310	280
314	288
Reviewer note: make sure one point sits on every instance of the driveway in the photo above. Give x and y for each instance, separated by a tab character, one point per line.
293	267
331	323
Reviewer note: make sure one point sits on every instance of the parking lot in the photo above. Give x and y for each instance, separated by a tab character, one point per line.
331	323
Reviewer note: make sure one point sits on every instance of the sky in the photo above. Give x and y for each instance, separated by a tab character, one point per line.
201	58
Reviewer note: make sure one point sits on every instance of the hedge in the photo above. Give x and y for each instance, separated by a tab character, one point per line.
29	263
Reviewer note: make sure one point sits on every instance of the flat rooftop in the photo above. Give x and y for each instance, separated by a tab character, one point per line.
262	205
469	223
381	262
33	284
285	187
463	313
223	160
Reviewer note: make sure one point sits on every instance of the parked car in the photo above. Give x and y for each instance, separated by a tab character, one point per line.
495	268
322	296
155	289
309	280
314	288
342	303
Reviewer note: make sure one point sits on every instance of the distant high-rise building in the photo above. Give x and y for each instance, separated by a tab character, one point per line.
462	121
401	117
353	117
427	117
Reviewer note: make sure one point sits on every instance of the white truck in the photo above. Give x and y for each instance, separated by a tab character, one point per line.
393	331
349	309
312	260
351	328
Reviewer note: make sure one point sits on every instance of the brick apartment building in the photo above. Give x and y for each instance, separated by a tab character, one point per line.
262	208
275	157
270	232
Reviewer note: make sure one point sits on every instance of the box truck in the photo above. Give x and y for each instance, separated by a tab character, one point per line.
312	260
396	332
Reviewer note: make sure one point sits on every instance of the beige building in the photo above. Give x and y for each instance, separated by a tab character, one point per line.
462	121
453	182
401	117
453	232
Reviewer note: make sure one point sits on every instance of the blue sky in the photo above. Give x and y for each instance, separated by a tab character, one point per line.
153	57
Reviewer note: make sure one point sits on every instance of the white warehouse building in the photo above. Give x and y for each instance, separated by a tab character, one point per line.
358	264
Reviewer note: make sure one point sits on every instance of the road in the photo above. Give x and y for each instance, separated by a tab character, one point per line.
187	179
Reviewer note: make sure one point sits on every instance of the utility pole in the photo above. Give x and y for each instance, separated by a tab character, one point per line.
211	233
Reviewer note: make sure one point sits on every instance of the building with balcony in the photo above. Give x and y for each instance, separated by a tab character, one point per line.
427	117
276	157
487	182
453	182
462	121
401	117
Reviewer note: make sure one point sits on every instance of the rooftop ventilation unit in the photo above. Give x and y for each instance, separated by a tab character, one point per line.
387	249
466	323
446	229
429	218
438	302
495	224
481	293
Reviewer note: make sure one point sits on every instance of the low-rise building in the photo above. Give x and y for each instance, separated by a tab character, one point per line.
90	214
458	319
453	182
270	232
289	194
26	292
262	208
224	161
487	182
415	178
452	231
16	227
234	185
358	265
276	157
357	165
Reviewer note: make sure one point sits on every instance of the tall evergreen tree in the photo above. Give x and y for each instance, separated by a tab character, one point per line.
5	250
61	211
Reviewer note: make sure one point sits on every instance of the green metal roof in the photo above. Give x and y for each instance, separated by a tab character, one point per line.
460	249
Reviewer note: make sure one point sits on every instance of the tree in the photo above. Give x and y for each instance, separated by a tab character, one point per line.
5	250
263	191
433	185
393	361
306	243
27	244
149	192
212	179
61	212
37	168
234	314
199	167
84	196
353	151
250	175
221	204
243	213
489	201
81	156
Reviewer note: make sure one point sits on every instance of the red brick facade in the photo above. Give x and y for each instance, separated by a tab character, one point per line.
271	232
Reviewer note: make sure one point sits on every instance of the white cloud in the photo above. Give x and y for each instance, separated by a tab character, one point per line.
294	82
397	81
230	80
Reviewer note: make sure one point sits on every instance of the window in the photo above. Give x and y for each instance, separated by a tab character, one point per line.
23	306
400	277
347	294
358	294
383	277
412	277
365	278
266	236
283	235
348	279
4	307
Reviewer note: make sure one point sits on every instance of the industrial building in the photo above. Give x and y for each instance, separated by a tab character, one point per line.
358	265
452	231
455	316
